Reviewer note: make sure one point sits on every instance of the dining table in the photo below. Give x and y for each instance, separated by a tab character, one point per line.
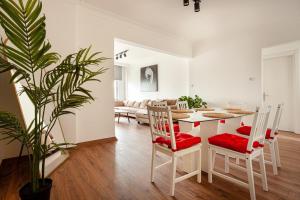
209	126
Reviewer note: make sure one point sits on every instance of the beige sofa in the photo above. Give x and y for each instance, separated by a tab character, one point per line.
138	109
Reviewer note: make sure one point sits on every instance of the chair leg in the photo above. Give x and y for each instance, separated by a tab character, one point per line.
250	178
173	174
277	153
199	166
226	164
273	158
213	159
263	172
153	162
209	165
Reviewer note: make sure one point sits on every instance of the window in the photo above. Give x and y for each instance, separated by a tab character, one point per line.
119	83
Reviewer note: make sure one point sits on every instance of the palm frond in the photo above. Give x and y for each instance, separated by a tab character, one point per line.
11	128
25	28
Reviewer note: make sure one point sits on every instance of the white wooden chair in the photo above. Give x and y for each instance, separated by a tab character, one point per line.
159	103
270	138
182	105
235	146
171	145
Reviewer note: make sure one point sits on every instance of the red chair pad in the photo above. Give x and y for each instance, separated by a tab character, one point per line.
175	127
183	141
232	142
222	121
196	124
246	130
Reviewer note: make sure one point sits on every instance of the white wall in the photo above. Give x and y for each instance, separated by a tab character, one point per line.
222	67
96	120
72	25
172	77
60	25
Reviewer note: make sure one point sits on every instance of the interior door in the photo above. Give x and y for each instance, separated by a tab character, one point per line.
278	88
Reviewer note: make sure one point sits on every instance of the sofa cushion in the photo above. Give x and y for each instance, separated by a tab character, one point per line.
119	103
144	103
136	104
130	103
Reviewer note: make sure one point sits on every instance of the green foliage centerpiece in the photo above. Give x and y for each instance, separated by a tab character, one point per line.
196	102
46	79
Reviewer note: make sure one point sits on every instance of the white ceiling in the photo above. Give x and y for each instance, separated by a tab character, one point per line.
136	54
216	16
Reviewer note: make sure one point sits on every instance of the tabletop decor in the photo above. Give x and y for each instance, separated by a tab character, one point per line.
204	109
217	115
196	102
240	112
182	111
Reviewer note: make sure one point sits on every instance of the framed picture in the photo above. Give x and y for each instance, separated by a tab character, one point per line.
149	78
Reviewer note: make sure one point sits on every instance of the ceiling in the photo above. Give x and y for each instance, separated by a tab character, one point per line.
136	54
216	16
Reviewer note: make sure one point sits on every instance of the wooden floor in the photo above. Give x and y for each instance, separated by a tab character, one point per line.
121	170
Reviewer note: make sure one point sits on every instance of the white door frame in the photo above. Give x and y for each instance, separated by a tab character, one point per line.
288	49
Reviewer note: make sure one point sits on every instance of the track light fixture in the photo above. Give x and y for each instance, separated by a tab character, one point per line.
196	4
186	2
121	54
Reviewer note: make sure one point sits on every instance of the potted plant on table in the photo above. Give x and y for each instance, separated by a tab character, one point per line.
46	79
196	102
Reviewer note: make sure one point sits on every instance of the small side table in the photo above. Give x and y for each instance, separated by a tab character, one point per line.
120	113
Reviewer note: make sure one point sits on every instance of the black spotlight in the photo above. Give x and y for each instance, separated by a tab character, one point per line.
197	5
125	54
186	2
117	57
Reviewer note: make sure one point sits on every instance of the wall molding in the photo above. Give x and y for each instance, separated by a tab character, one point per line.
95	142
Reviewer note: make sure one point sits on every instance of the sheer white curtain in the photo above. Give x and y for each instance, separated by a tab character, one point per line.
119	83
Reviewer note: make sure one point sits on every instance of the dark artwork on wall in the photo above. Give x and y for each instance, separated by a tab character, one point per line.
149	79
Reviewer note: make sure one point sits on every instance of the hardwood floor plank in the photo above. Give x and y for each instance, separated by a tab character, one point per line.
121	170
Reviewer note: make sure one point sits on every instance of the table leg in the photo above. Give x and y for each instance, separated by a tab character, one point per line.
119	117
128	118
206	130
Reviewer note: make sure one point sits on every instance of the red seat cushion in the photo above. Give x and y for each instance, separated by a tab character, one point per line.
196	124
232	142
175	127
222	121
183	141
245	130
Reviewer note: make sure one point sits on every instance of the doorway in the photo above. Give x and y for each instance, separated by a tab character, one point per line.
281	82
278	87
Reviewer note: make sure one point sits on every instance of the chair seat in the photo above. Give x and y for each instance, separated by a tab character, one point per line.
245	130
222	121
183	141
232	142
175	127
196	124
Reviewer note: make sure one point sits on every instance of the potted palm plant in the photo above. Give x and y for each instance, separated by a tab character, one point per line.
46	79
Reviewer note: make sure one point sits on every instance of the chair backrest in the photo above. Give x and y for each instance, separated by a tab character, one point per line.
259	126
182	105
159	103
159	117
276	121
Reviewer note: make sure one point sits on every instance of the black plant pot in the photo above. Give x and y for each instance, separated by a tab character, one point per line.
26	193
